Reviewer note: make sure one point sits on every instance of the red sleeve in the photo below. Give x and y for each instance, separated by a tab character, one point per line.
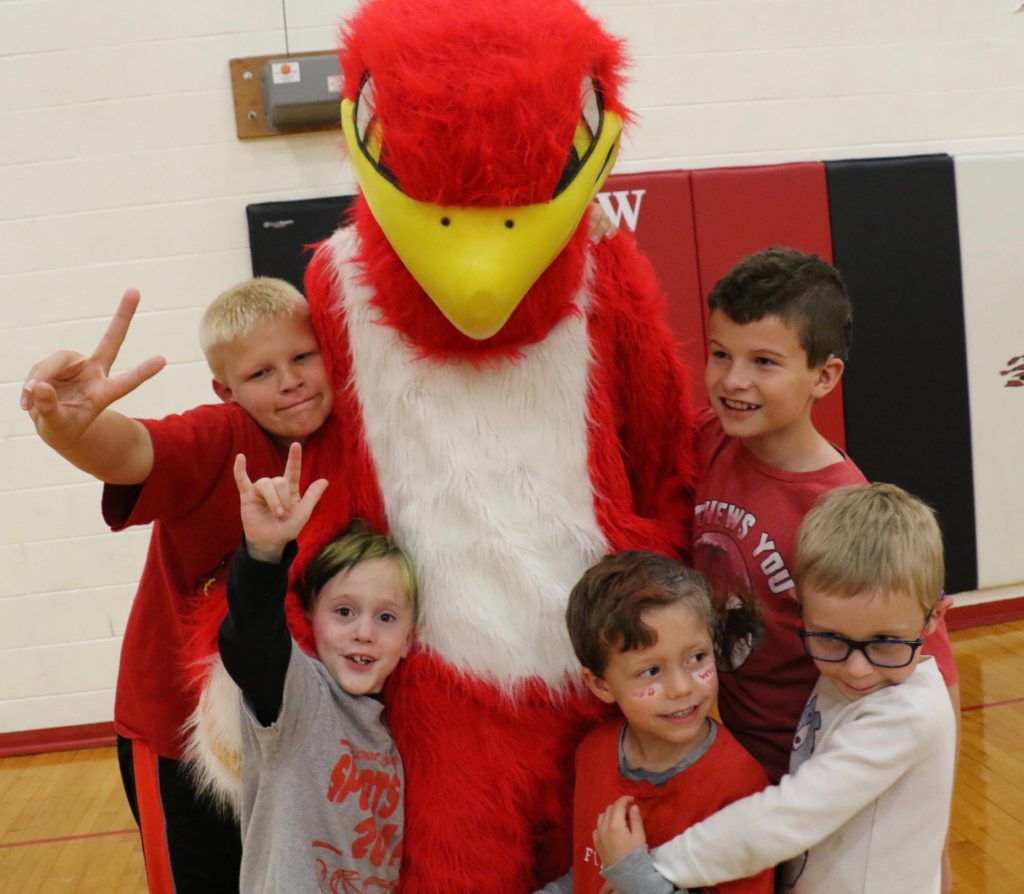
191	454
941	649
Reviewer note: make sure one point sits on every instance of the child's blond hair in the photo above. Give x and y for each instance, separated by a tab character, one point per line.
871	537
357	543
240	309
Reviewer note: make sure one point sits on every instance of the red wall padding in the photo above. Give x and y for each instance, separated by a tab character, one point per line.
738	211
664	232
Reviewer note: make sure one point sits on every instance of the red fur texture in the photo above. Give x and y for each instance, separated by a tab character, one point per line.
488	781
491	87
206	611
642	438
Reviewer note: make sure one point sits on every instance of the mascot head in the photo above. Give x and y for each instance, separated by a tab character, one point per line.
479	132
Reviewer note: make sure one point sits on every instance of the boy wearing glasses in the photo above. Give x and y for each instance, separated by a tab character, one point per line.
865	807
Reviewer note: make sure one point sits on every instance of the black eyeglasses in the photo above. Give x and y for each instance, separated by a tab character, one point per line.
881	652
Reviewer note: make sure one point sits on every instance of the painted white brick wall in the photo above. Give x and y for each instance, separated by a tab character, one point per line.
119	166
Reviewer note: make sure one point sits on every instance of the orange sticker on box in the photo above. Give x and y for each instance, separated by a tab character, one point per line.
285	72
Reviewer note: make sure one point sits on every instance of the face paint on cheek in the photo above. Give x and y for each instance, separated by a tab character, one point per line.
647	692
706	675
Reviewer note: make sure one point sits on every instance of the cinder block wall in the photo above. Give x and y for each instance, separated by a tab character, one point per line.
119	166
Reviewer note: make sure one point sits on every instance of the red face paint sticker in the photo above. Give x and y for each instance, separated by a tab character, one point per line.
705	675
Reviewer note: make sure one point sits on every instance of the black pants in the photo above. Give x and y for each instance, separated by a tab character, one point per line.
190	846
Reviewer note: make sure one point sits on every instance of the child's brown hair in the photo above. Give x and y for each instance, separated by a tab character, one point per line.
606	607
804	291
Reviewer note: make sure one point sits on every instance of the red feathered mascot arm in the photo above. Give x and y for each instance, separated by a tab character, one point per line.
649	405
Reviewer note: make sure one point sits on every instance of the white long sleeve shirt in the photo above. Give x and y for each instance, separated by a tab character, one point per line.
864	810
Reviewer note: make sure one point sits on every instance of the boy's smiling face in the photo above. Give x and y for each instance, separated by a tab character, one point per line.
865	616
759	383
276	374
362	624
665	690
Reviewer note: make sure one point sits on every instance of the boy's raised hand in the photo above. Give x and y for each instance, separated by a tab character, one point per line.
620	829
66	392
273	510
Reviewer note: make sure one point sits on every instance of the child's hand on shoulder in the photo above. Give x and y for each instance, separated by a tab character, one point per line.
620	829
601	225
273	510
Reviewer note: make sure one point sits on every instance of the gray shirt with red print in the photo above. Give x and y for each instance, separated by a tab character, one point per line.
322	783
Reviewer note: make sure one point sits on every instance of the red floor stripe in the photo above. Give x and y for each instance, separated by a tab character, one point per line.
69	838
999	704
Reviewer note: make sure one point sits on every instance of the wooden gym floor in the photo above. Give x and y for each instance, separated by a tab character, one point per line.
64	825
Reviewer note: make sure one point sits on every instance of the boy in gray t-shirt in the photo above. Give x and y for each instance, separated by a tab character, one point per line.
322	782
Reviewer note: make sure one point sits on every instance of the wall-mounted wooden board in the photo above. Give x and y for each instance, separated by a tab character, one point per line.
250	120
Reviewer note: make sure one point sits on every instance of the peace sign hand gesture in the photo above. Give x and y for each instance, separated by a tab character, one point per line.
66	392
273	511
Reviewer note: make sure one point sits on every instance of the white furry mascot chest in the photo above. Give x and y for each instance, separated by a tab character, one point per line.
509	404
485	480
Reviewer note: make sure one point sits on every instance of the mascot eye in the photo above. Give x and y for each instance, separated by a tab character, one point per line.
367	127
588	129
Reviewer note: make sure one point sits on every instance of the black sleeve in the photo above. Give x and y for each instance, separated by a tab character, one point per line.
254	641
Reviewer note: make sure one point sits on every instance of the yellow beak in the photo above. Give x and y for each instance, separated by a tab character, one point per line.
476	264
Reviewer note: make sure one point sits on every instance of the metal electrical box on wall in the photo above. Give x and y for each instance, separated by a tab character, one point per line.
302	92
281	95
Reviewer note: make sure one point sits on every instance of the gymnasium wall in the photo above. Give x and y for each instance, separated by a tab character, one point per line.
119	166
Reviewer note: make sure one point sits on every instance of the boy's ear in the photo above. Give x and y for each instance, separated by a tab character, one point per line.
829	374
410	641
598	686
938	613
223	391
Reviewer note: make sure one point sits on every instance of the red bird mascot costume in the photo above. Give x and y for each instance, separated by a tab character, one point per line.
510	404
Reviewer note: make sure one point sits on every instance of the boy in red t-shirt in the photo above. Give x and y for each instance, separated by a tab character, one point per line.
778	334
176	473
644	628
